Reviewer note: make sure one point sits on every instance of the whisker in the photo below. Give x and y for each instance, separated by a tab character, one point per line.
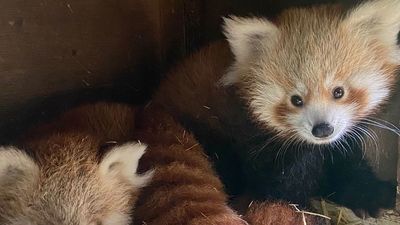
375	141
280	157
387	126
358	138
379	120
255	152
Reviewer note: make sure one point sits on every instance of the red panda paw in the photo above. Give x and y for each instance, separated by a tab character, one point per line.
272	213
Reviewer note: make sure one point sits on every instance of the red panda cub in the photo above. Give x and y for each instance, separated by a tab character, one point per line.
281	107
59	178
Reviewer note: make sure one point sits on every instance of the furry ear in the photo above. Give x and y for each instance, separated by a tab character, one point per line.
246	37
380	20
16	167
122	162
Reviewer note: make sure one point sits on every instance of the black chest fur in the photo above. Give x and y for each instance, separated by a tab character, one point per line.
251	162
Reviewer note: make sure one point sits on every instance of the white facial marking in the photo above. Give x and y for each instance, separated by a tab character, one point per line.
339	117
375	83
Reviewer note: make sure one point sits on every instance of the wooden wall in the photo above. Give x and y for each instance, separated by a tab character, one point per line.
54	54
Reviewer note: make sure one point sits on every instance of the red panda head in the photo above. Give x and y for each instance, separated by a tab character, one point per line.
316	72
70	190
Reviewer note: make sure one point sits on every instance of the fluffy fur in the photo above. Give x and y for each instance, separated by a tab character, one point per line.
185	188
60	178
236	98
272	213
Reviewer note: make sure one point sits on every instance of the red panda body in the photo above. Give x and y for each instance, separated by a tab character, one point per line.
59	176
280	106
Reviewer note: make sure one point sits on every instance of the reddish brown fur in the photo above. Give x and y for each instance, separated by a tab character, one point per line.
106	121
278	213
356	96
282	111
197	77
185	189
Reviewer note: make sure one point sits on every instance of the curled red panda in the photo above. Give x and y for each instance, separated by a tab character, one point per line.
60	176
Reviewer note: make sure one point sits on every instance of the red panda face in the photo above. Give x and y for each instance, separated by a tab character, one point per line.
321	114
317	112
320	101
317	72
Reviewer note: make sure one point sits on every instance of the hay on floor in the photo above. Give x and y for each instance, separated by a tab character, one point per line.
343	216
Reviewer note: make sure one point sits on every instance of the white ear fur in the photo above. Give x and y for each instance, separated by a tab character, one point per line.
122	163
15	164
246	36
379	18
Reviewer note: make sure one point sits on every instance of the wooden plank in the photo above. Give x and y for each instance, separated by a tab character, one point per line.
193	17
172	39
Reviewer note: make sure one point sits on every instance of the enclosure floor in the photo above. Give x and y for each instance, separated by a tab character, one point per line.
343	216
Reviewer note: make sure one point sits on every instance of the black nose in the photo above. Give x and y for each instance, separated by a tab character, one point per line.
322	130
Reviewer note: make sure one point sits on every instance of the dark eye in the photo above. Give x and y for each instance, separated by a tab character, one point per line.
338	92
297	101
